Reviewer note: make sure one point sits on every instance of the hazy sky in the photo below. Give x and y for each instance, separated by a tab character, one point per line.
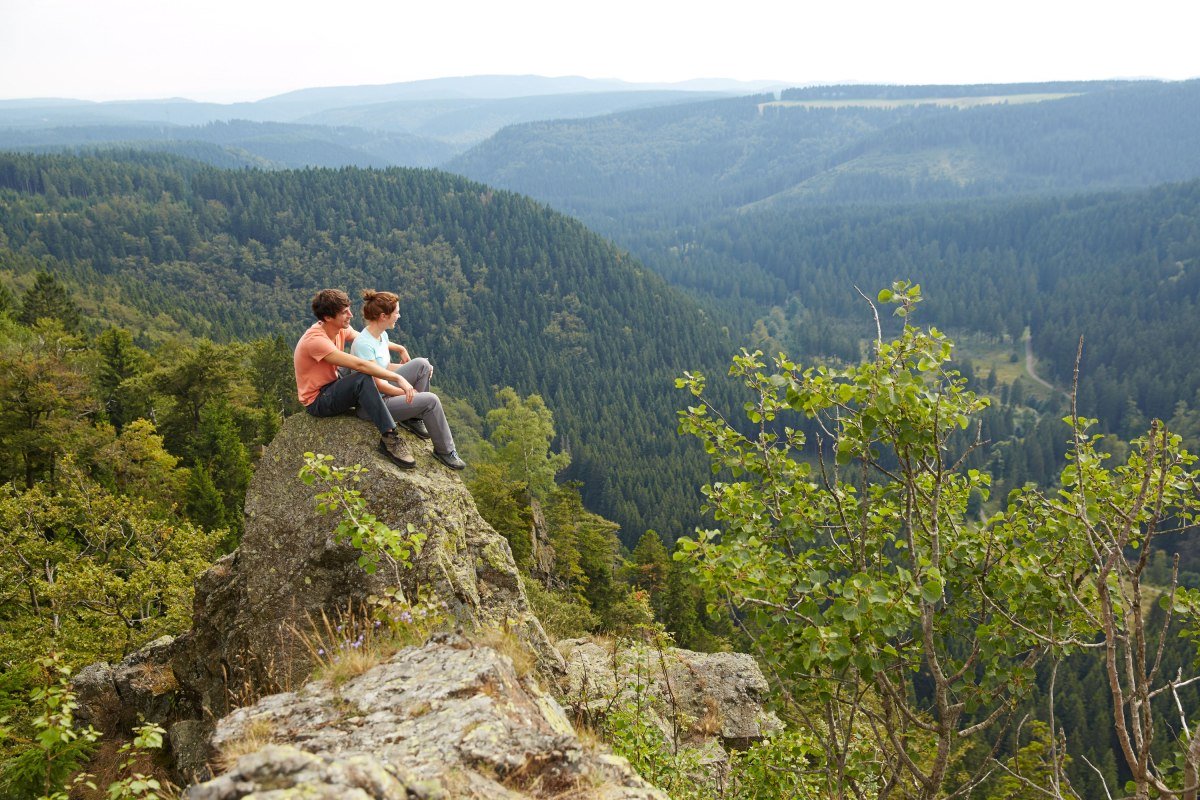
226	50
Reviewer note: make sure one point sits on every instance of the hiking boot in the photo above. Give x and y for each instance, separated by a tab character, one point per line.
396	449
417	426
450	459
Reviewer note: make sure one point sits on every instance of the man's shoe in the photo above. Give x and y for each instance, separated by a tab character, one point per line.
417	426
450	459
396	449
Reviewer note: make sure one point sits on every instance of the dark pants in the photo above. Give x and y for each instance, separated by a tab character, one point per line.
355	389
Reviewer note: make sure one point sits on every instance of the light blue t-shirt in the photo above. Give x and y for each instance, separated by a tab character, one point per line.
368	348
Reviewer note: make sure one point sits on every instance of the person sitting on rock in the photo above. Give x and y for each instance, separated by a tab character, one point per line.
326	392
422	414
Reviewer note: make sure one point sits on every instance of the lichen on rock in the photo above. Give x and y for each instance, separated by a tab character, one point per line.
446	719
289	571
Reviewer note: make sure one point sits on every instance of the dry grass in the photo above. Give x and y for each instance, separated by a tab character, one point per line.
506	643
709	723
256	735
348	646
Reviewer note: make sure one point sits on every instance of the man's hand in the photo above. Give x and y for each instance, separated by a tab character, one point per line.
409	391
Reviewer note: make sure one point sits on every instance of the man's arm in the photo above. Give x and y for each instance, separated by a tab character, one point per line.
340	358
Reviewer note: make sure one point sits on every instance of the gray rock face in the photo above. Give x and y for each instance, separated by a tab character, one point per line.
447	719
289	570
711	695
111	697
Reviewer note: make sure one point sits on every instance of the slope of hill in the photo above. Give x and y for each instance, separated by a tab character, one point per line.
684	164
462	122
496	288
421	123
1121	269
263	144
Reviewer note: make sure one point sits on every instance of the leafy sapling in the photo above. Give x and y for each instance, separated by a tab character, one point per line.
376	542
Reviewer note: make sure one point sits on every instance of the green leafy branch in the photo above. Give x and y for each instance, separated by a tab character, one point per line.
374	540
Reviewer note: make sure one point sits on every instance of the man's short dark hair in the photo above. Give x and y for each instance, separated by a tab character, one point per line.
329	303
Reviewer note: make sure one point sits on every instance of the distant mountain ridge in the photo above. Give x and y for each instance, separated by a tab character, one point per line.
688	163
444	115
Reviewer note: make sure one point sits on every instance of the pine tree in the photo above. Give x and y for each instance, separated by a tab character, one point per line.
204	505
48	298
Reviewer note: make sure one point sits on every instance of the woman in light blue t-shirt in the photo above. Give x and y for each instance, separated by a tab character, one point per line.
411	403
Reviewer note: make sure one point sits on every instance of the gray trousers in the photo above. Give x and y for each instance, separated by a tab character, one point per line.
425	404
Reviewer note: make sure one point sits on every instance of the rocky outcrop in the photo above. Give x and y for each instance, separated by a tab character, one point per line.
444	720
703	698
143	686
289	571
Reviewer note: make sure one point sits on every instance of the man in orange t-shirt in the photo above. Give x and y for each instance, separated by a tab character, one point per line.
324	392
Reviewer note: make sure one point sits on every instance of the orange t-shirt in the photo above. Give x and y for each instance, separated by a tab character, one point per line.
312	370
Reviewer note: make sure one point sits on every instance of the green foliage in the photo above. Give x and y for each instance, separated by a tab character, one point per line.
864	570
781	765
119	362
55	747
46	764
48	299
46	402
217	448
204	504
655	754
136	785
563	614
521	431
505	504
137	464
1035	769
96	573
376	542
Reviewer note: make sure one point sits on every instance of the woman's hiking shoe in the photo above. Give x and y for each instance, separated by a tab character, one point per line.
396	449
450	459
417	426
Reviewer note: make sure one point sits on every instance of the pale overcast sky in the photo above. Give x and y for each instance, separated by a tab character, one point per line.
227	50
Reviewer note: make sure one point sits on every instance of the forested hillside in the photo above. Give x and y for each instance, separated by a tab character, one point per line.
239	143
974	191
677	166
417	124
498	290
1120	269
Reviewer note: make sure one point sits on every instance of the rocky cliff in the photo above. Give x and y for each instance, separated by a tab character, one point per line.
289	571
448	718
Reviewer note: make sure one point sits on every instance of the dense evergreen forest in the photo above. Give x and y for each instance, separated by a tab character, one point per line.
776	210
1121	270
679	166
1024	223
496	289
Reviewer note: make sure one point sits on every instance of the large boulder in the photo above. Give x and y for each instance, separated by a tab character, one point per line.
446	719
443	720
252	608
142	686
703	698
